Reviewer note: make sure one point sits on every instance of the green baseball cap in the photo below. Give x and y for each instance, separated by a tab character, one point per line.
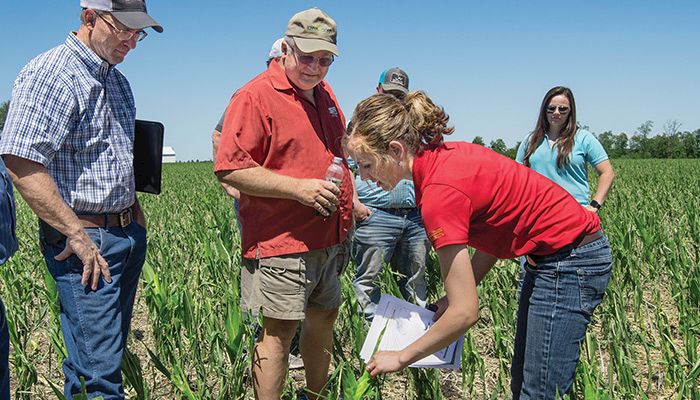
313	30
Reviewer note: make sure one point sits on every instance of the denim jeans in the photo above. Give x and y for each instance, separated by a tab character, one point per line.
4	355
95	324
396	237
557	299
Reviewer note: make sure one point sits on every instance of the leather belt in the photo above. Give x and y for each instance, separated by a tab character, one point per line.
581	241
397	211
121	219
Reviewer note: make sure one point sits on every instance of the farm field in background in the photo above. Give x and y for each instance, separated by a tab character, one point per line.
190	341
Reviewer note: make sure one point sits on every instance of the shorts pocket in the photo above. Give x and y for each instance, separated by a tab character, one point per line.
281	275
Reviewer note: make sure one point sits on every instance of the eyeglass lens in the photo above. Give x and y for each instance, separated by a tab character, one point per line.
308	60
562	109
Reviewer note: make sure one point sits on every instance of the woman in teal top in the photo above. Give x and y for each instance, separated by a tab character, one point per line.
561	151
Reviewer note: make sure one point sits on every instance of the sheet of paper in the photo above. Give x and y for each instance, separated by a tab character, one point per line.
402	323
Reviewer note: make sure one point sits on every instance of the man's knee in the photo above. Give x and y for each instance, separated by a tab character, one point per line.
320	317
280	330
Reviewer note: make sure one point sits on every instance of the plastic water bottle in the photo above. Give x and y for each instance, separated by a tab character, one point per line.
334	173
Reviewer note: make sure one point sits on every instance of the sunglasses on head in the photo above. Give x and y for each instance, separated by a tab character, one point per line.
552	108
308	59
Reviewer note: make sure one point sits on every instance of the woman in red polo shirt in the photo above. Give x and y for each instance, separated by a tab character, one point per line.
470	195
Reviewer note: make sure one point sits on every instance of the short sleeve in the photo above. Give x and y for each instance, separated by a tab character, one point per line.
595	152
446	214
245	138
42	113
520	156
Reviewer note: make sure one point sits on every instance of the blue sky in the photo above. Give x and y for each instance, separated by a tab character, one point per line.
488	63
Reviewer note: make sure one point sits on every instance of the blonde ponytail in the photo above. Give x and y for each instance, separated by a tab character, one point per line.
415	121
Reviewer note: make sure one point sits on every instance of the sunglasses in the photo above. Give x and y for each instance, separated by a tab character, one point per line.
552	108
306	59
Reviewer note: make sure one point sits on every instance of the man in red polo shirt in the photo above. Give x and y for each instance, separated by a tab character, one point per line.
281	132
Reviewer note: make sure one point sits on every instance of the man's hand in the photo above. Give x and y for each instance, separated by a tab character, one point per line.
93	263
361	212
318	194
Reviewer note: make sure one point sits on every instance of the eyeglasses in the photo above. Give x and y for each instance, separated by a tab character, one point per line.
125	34
552	108
309	60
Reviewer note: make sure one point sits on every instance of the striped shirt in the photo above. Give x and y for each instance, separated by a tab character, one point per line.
371	195
74	113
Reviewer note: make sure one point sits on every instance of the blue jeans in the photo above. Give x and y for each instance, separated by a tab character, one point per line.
4	355
396	237
557	299
95	324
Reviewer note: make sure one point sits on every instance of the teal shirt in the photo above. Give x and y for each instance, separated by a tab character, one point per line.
574	176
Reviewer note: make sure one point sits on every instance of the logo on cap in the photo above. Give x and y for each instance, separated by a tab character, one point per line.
398	79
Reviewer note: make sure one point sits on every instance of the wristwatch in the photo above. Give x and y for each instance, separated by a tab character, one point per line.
595	204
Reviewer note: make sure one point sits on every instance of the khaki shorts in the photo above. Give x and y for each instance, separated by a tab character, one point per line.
283	287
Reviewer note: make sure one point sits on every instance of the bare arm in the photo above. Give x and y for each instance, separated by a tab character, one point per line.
460	315
481	264
39	190
605	181
360	212
259	181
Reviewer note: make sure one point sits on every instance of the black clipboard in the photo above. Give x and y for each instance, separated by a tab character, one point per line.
148	156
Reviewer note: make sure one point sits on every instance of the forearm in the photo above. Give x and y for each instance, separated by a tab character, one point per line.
462	311
606	174
39	190
261	182
605	181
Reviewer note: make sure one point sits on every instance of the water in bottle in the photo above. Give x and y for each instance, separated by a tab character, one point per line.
334	173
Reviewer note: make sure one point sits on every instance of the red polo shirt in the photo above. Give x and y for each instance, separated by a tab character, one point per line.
469	194
270	123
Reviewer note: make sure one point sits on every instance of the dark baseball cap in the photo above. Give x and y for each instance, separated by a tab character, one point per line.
131	13
394	79
313	30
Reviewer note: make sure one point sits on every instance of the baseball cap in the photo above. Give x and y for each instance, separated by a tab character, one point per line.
313	30
394	79
131	13
276	50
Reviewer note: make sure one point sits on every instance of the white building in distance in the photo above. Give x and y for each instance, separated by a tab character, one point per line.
168	154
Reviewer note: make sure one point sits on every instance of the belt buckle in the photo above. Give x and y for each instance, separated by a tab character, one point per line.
125	218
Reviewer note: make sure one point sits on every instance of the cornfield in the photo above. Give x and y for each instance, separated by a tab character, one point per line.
189	339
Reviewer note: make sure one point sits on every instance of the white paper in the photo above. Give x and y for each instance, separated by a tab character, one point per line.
405	323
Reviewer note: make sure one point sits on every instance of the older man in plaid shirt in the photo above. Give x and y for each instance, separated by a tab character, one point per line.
68	145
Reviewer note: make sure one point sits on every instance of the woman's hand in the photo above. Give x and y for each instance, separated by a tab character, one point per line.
385	361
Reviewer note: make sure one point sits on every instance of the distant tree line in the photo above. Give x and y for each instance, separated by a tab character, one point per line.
671	142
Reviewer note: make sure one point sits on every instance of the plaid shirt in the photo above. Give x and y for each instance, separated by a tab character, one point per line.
74	113
369	194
